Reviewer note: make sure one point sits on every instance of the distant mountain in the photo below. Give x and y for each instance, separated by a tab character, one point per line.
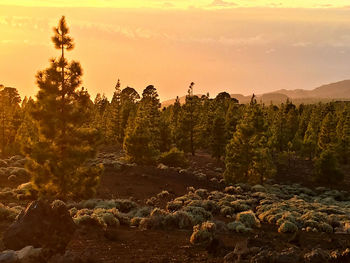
337	90
334	91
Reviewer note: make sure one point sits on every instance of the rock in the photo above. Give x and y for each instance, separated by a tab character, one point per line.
41	225
317	256
290	255
8	256
162	166
30	254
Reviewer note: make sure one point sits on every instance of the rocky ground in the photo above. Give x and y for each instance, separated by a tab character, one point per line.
165	214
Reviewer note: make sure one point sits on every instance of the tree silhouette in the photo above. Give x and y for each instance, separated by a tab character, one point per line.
57	161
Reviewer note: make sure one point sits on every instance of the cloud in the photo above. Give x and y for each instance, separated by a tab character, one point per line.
221	3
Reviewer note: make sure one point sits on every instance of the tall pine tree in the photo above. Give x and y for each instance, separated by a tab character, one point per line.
57	161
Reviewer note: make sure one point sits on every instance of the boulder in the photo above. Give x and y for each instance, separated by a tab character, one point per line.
30	254
8	256
41	224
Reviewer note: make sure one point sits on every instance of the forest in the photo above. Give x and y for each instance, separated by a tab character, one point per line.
255	141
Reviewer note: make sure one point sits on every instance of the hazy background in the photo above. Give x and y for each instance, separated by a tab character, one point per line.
240	47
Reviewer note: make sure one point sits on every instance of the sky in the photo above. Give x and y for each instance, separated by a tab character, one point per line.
243	46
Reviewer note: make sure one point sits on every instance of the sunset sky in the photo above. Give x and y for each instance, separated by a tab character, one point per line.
241	46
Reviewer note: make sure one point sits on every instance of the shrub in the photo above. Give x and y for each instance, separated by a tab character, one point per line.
174	158
7	213
203	193
135	221
259	188
227	211
198	214
163	194
287	227
183	219
203	234
248	218
174	205
238	227
324	227
240	206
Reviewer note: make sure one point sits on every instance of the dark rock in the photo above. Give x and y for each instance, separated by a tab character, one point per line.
317	256
8	256
41	225
30	254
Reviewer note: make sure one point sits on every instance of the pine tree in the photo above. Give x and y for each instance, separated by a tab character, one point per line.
142	140
247	155
28	132
102	116
343	148
128	104
327	136
218	138
117	129
9	118
311	134
327	168
189	122
57	161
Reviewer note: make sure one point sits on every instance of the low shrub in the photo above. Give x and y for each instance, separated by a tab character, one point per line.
287	227
203	234
249	219
238	227
174	158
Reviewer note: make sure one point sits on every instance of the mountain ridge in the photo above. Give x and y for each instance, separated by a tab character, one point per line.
333	91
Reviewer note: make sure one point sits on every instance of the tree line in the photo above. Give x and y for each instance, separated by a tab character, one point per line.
60	130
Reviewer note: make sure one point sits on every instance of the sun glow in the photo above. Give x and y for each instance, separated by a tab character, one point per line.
180	4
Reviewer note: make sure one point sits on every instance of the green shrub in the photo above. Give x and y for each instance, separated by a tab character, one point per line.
9	214
249	219
238	227
287	227
198	214
135	221
174	158
324	227
174	205
203	234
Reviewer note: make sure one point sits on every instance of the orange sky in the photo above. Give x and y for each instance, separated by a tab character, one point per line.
219	47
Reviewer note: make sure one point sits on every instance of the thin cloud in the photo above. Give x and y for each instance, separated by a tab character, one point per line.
221	3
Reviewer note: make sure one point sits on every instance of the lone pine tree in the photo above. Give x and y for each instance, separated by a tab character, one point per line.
57	161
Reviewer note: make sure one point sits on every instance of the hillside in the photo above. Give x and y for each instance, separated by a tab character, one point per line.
333	91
